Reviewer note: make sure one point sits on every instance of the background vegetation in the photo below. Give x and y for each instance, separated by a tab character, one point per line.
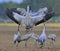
35	4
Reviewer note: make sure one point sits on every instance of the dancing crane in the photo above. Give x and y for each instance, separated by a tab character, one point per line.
19	38
30	19
42	38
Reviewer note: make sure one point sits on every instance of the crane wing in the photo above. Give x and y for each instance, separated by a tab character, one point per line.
38	18
15	16
42	15
20	11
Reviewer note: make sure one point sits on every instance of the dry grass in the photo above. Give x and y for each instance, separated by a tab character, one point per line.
47	24
6	38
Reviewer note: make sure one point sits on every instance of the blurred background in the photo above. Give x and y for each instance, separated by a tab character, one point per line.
35	5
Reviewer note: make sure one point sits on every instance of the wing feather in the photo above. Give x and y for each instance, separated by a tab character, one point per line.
20	11
17	16
38	18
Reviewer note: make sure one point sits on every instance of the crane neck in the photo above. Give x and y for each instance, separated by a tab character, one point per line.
27	9
44	29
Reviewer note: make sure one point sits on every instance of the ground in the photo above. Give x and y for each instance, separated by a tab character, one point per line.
7	32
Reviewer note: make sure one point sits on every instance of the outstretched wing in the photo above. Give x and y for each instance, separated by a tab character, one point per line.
14	15
38	18
42	15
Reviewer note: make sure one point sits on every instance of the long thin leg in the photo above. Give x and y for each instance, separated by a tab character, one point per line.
26	43
53	42
35	44
41	46
18	27
16	44
31	30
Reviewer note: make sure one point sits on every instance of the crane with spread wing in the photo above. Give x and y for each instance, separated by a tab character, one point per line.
27	17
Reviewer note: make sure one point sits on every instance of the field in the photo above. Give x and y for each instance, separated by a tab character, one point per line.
6	38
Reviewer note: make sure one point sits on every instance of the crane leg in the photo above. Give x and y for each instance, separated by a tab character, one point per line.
35	44
25	43
18	27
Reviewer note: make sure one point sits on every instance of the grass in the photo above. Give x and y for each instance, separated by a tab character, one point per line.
47	24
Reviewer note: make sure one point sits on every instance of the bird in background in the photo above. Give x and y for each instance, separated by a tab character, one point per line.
52	37
42	37
17	38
